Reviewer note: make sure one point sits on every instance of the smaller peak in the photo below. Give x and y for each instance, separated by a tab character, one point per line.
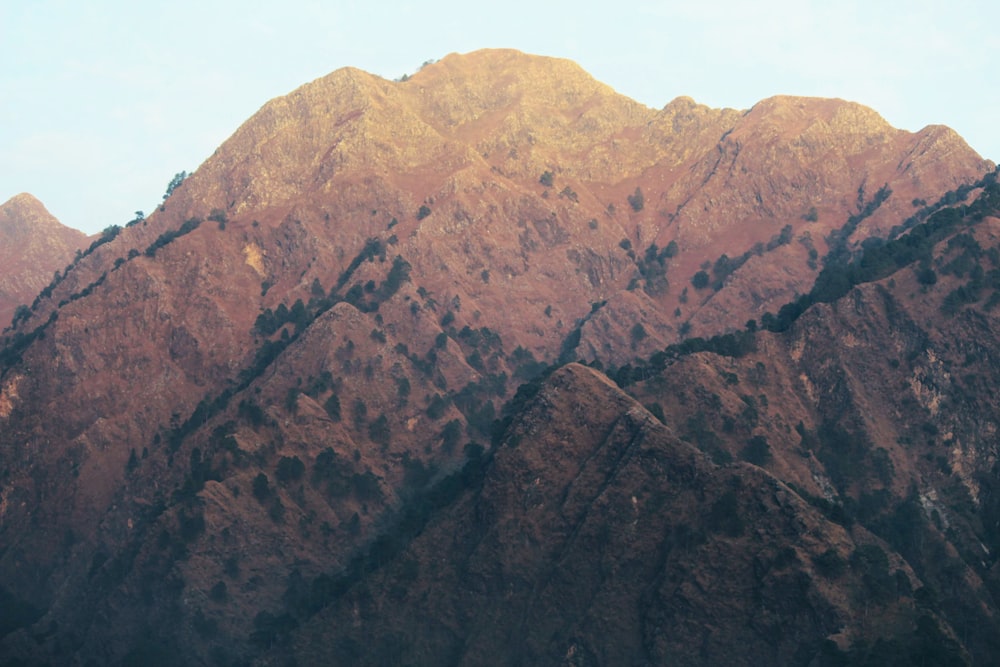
582	373
795	103
827	108
24	213
945	140
682	102
25	200
26	207
461	88
344	88
685	106
342	82
839	116
505	57
351	74
684	112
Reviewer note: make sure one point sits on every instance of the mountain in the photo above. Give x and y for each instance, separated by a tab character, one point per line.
818	494
599	537
276	406
33	245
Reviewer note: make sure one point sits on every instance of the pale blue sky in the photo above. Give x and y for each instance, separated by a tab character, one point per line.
104	101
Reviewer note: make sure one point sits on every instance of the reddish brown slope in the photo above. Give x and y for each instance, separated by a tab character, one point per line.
597	537
881	408
33	245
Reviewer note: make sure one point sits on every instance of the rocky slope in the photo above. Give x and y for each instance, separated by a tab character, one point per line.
596	536
33	246
248	391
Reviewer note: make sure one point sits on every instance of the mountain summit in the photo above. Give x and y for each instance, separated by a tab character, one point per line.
348	343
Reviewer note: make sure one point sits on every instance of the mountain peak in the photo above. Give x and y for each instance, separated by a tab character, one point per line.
21	209
24	199
504	64
493	84
33	244
24	215
795	114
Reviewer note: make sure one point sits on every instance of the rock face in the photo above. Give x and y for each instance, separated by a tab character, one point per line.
33	245
275	406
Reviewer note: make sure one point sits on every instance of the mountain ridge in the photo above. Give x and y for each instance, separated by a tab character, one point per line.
245	392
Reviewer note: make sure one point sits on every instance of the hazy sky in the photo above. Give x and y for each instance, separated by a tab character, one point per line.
104	101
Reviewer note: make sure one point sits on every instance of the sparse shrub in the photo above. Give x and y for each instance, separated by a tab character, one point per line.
174	183
436	407
638	333
191	525
277	510
360	412
332	407
656	410
416	475
473	451
219	592
292	400
724	516
830	564
261	487
700	280
379	431
290	468
366	486
636	200
403	389
757	451
871	562
252	413
450	434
